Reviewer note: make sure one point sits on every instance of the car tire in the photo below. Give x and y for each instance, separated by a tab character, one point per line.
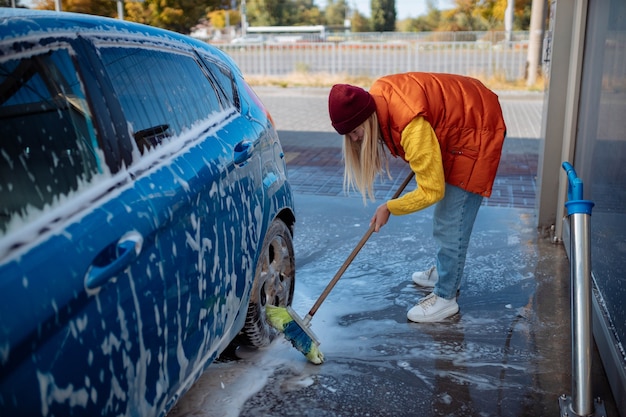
273	284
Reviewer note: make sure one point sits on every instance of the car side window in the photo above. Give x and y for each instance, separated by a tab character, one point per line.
162	93
225	80
47	139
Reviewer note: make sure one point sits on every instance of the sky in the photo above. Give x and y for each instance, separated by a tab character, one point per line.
404	8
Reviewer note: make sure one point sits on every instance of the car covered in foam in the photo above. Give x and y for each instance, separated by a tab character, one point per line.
145	215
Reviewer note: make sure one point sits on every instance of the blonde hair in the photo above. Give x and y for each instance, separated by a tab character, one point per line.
364	160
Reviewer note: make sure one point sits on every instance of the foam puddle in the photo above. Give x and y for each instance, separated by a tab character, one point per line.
375	359
224	387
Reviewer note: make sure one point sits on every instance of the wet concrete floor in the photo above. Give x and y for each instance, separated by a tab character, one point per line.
507	352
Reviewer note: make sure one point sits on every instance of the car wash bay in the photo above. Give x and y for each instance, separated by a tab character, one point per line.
507	352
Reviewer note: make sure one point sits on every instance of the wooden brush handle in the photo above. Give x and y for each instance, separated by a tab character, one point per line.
353	254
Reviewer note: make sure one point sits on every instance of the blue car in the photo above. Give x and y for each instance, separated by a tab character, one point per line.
145	215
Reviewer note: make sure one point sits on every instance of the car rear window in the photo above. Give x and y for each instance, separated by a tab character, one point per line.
162	93
47	140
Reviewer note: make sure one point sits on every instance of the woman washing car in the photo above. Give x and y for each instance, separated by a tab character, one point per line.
450	130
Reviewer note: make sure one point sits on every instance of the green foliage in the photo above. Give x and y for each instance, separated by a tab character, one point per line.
383	15
360	23
217	18
335	12
176	15
264	12
307	13
282	12
471	15
426	23
464	16
96	7
521	15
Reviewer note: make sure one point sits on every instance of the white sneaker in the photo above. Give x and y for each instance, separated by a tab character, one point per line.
426	279
432	309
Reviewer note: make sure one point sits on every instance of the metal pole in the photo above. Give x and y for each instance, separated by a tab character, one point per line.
579	212
508	20
580	273
120	9
535	40
244	19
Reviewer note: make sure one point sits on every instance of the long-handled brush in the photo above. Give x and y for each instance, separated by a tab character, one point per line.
298	330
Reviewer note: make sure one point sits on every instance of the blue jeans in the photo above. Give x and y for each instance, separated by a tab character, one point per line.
452	226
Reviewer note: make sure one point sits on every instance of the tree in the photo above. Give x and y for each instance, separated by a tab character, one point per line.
427	23
305	12
468	15
176	15
464	16
263	12
522	14
492	13
96	7
218	18
359	23
383	15
335	12
312	16
282	12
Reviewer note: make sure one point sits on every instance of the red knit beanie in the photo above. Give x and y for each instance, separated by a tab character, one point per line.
349	106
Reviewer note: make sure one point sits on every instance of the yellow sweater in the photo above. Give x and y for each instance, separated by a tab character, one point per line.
423	153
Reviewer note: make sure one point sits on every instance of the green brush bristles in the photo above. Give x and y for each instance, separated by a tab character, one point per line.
278	317
282	321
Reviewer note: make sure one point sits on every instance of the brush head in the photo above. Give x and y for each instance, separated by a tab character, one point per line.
277	317
295	330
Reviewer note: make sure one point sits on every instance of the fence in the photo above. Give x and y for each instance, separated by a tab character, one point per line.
488	56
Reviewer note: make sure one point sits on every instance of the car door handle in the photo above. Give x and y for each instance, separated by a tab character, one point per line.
243	152
113	259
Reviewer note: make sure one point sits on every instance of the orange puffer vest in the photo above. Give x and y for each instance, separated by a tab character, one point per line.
465	115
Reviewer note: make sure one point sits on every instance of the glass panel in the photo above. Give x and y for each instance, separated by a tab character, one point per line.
601	151
47	140
225	81
161	93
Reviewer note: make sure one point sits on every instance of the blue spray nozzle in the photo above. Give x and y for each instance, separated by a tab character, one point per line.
576	204
575	188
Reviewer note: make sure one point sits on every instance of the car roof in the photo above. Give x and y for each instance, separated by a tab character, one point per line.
17	22
28	23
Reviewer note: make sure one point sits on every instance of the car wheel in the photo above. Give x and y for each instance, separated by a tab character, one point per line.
273	283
